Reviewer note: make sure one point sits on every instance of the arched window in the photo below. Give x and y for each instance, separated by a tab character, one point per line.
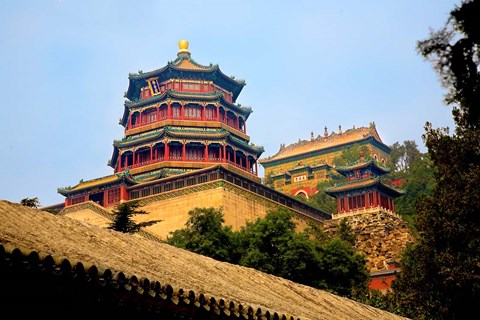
302	194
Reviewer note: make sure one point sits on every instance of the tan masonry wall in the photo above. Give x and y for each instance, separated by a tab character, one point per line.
236	207
173	212
239	206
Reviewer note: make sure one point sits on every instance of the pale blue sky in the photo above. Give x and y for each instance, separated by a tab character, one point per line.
308	64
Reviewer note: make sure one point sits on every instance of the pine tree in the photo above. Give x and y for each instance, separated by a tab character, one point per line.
123	213
30	202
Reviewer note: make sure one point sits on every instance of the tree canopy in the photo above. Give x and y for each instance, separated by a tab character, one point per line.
440	272
414	170
272	244
30	202
205	234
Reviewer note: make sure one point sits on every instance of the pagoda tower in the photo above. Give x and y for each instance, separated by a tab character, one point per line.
183	117
185	146
177	119
363	192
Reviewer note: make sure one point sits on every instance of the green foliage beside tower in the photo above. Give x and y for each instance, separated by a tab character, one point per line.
440	272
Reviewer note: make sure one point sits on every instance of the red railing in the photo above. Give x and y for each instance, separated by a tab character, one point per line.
180	158
188	118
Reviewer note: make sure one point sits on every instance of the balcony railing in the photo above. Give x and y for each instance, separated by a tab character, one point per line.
188	118
189	159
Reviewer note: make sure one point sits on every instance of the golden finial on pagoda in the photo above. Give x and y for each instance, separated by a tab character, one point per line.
183	47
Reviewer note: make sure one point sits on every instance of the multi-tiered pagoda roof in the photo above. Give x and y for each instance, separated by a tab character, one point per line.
177	119
364	190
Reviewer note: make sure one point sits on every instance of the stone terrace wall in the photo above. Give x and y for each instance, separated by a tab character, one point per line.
380	236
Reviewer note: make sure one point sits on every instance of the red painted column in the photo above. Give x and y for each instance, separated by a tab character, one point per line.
248	164
339	208
134	158
224	153
167	151
205	153
151	154
67	202
158	114
123	193
105	198
235	156
245	126
129	121
182	112
169	110
218	112
119	164
184	151
204	112
238	123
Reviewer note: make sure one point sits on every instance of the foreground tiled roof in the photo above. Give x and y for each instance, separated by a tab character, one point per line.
140	265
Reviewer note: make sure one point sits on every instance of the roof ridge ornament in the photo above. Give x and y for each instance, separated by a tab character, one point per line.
183	49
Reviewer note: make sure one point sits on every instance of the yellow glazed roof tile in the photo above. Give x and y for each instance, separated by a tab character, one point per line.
354	184
187	64
321	143
95	182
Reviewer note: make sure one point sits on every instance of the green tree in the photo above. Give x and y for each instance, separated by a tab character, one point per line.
420	182
265	241
205	234
352	154
415	170
272	245
30	202
323	201
440	272
397	155
342	269
345	232
412	154
123	213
